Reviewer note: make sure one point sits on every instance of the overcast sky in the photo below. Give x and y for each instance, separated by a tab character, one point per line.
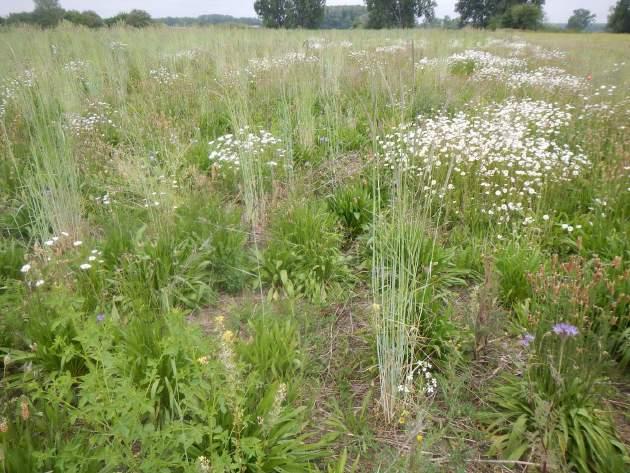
558	11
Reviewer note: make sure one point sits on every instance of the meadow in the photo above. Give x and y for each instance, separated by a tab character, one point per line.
242	250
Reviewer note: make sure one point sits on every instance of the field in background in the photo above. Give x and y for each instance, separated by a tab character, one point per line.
243	250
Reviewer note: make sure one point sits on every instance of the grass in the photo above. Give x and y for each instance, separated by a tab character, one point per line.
222	250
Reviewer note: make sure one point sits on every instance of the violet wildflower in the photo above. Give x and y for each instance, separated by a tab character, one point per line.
100	317
565	330
526	339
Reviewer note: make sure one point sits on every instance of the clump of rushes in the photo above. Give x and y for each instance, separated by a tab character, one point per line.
304	253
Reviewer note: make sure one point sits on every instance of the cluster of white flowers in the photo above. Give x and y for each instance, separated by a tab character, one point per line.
228	149
262	65
569	228
105	199
511	70
97	117
426	62
152	202
484	63
25	269
548	54
188	54
520	47
91	259
423	376
605	90
323	43
543	78
367	62
78	69
9	87
517	45
394	48
484	59
117	45
163	76
504	153
316	43
203	464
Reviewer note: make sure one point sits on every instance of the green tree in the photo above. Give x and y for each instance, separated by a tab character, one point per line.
525	16
580	20
47	13
476	12
87	18
121	18
20	18
307	13
619	18
290	13
398	13
91	19
138	18
273	13
506	13
342	16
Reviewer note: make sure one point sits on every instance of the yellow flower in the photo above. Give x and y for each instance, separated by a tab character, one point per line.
227	336
202	360
419	438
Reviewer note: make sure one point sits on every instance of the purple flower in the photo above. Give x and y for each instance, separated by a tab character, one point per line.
100	317
565	330
526	339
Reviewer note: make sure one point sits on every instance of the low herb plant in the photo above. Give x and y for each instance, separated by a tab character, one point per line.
304	253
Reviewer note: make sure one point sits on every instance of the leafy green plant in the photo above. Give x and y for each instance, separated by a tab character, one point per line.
165	273
463	68
219	224
149	398
553	411
352	204
513	263
352	423
304	255
590	294
11	260
274	351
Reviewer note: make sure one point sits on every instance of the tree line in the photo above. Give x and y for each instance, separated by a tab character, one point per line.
49	13
518	14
